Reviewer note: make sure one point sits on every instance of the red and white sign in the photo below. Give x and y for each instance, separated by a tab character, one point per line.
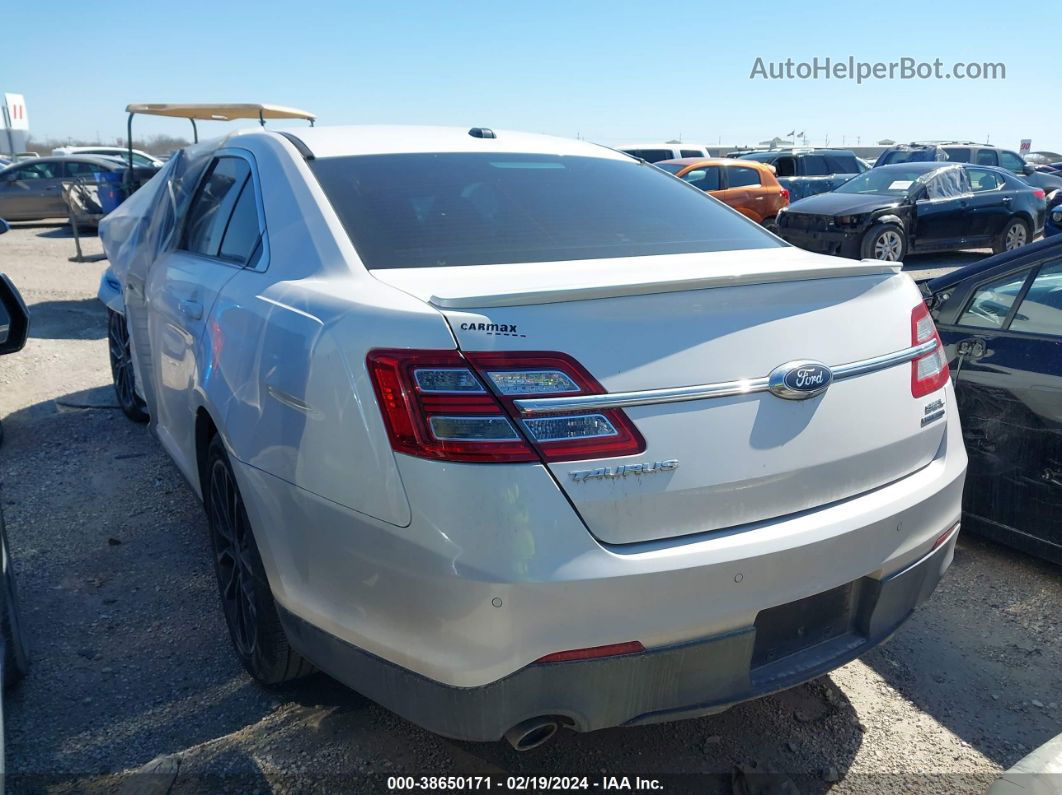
15	117
1026	146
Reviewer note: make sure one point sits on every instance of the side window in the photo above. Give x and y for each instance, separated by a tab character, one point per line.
81	169
1011	162
691	153
651	155
815	166
987	157
240	243
741	177
785	167
957	154
1040	311
981	179
991	302
215	197
704	178
842	164
947	184
38	171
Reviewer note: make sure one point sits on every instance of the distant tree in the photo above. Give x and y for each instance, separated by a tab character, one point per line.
156	144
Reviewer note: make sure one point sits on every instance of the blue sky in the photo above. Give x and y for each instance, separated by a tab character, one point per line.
609	71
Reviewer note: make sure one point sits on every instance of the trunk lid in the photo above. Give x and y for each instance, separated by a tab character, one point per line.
637	325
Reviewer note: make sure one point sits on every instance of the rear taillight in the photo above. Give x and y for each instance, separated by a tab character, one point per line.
434	406
785	195
1040	193
454	407
929	372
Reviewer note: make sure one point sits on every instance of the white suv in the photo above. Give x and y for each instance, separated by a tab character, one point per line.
511	432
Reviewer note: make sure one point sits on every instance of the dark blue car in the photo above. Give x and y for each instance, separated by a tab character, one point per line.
1053	224
1001	323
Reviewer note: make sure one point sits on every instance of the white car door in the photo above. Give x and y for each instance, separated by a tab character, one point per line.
221	236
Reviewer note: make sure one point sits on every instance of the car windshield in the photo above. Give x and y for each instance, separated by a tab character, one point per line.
883	182
436	210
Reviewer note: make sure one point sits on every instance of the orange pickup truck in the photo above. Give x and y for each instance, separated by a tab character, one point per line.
749	187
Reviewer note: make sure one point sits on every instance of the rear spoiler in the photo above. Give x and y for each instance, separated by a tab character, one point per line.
539	293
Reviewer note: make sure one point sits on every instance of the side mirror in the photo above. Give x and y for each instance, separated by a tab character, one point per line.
14	317
1029	169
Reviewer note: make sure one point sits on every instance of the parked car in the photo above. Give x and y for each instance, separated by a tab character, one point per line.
891	211
807	172
140	158
749	187
32	190
1053	224
14	654
976	154
512	432
654	153
1001	322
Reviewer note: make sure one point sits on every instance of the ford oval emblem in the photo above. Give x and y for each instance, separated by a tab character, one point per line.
800	380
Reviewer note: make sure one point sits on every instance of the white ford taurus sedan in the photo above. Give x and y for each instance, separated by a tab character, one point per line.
511	432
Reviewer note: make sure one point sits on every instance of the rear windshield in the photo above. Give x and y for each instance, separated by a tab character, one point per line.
436	210
908	156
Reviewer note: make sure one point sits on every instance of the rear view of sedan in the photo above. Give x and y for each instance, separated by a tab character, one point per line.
749	187
511	432
891	211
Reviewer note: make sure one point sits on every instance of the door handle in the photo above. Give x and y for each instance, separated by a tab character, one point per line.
1007	200
193	310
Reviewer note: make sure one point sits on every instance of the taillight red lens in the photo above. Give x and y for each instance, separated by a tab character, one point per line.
785	195
434	406
569	436
1040	193
460	407
612	650
929	372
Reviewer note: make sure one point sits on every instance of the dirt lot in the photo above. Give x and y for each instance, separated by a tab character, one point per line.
131	660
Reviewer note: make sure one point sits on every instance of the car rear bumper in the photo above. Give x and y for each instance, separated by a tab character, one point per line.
674	682
836	243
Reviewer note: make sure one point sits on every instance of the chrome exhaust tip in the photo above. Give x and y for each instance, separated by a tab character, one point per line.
531	733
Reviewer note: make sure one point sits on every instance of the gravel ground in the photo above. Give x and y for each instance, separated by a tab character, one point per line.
131	660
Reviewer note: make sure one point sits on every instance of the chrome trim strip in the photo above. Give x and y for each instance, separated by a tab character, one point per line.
648	397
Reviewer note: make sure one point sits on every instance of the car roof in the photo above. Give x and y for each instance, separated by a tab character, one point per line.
387	139
98	159
1026	255
727	162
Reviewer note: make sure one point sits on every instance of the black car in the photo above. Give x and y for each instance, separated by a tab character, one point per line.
891	211
1001	323
975	154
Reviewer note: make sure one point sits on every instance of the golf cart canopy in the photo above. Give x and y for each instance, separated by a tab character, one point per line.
223	111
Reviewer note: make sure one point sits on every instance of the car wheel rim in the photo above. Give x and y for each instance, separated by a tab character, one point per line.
887	246
232	556
121	360
1015	237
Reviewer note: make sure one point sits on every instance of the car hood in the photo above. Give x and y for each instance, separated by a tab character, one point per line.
842	204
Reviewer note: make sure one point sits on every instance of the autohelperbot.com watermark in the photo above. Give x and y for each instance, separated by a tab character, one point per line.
849	68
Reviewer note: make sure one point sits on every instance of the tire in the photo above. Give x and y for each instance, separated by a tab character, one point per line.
246	600
122	373
1014	235
886	242
16	652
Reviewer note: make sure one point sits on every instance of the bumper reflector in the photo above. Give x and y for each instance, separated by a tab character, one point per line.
613	650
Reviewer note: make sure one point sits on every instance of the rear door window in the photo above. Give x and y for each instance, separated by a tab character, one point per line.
991	302
815	166
241	241
958	154
785	166
842	164
1040	311
987	157
691	153
81	169
981	180
209	212
742	177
